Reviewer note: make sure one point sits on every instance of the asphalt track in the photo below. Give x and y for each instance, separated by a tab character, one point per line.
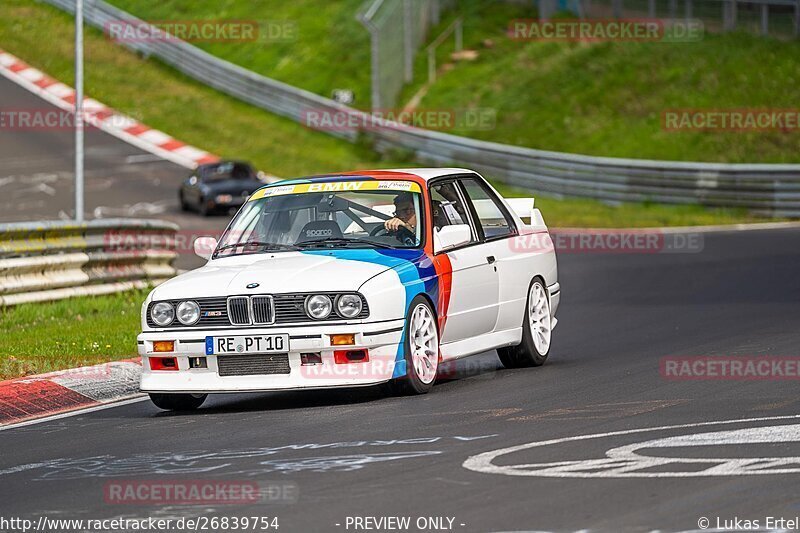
361	453
37	176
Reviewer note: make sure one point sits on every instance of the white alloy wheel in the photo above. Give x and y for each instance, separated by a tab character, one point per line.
424	343
539	317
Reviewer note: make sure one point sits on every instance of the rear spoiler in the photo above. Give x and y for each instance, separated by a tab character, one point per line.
524	209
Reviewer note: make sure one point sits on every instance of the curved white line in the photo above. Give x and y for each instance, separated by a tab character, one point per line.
483	462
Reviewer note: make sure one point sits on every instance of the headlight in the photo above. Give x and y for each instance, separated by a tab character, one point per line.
188	313
162	314
348	305
318	306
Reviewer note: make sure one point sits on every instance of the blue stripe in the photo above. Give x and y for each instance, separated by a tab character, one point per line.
416	273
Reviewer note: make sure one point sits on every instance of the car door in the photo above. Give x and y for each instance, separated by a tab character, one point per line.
498	229
473	298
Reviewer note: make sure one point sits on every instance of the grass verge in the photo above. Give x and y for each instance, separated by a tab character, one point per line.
43	337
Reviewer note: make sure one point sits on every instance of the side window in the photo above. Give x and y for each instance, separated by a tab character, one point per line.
447	206
492	218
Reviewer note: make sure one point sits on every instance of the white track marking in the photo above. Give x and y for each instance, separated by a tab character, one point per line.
618	464
92	409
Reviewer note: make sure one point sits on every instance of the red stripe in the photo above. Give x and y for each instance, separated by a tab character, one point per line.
137	129
18	67
171	145
21	399
207	159
444	271
45	82
102	114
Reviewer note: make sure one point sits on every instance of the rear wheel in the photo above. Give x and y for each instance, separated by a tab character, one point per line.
178	402
421	345
536	331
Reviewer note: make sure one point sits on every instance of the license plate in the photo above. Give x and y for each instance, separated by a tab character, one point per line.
242	344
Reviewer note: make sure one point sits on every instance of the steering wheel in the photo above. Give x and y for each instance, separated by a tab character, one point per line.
402	234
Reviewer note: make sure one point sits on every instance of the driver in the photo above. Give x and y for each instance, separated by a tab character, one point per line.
405	216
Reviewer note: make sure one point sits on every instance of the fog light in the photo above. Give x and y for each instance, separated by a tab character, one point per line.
163	346
310	358
198	362
163	363
343	357
343	339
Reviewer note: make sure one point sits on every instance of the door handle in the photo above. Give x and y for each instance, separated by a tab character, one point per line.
490	259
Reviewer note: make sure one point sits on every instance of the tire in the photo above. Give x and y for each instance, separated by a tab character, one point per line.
422	356
203	208
178	402
532	351
184	205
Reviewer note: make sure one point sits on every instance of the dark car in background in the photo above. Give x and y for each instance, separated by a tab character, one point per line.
219	187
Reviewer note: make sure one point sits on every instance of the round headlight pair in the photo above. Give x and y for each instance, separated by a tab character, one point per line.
320	306
163	313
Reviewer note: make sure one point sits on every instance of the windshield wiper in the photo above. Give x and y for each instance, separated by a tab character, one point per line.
344	240
259	244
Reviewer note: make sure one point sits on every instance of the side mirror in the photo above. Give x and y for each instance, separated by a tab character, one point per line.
450	237
205	246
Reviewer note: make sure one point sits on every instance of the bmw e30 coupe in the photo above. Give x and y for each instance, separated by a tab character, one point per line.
354	279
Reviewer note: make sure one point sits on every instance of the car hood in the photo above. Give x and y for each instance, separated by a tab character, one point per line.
337	270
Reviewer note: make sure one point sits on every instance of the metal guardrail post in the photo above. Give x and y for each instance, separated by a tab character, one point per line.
688	10
375	65
651	8
729	12
616	8
764	19
455	28
797	18
79	178
408	41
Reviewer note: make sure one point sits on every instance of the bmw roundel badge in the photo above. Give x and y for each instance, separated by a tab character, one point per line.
252	285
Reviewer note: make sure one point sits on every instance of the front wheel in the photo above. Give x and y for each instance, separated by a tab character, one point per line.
421	347
537	329
178	402
182	199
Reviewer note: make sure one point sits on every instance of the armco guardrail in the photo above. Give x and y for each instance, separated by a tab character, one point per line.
42	261
768	189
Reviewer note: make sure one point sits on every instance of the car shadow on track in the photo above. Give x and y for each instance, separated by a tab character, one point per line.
483	365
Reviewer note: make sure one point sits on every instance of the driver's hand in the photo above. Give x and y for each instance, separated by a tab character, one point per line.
394	224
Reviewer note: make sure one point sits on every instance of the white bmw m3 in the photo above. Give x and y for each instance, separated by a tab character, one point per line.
354	279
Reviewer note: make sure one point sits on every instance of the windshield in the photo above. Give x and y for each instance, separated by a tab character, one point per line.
227	171
342	214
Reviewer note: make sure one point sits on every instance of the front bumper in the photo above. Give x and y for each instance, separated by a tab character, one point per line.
380	339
